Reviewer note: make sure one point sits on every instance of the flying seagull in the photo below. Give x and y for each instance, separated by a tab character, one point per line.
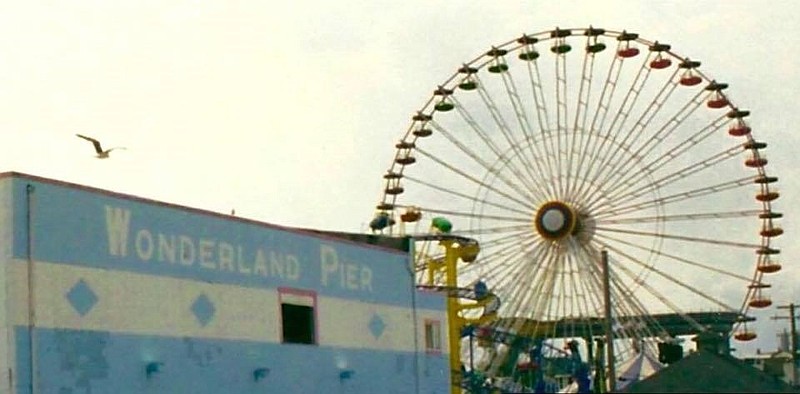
101	154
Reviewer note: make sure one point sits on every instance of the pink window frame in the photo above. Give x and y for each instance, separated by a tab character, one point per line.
302	293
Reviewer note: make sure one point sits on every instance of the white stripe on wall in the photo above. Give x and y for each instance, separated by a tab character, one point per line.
147	305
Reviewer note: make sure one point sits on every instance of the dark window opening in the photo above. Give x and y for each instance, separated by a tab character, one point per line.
298	323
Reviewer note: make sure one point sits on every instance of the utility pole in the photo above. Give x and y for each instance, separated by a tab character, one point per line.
611	376
793	328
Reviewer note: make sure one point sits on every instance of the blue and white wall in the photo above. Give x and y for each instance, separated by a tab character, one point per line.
120	283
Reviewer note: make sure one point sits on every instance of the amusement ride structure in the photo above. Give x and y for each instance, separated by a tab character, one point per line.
585	197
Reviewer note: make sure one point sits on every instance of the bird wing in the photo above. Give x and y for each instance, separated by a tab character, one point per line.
96	143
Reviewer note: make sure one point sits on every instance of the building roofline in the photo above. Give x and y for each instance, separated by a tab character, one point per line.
323	234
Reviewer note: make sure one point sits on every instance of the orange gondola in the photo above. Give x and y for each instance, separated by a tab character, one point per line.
766	250
423	132
755	162
771	231
767	196
760	302
411	215
769	267
405	160
745	336
394	190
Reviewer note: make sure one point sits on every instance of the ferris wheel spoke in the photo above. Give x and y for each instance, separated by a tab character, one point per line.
678	197
651	141
500	242
579	298
574	297
519	296
494	230
540	104
455	193
615	278
586	282
521	302
626	309
595	151
679	259
510	268
614	159
506	258
542	115
631	319
581	116
547	289
502	250
594	145
673	124
591	279
629	307
682	217
488	142
533	187
620	180
667	276
526	129
562	114
480	216
681	174
563	305
502	126
615	131
708	241
684	147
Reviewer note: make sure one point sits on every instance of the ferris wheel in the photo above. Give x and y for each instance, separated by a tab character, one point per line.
555	147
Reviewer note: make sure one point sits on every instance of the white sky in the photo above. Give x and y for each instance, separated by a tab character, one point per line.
289	111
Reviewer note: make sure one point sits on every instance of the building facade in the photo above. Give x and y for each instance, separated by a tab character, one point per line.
778	364
108	293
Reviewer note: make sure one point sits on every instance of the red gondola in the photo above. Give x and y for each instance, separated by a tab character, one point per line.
739	130
660	63
717	102
690	80
628	52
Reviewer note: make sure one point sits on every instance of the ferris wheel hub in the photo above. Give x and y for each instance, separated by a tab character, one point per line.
555	220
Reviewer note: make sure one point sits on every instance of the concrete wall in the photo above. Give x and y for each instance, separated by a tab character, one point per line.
122	283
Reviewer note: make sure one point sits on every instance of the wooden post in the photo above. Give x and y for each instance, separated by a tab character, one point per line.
793	325
608	324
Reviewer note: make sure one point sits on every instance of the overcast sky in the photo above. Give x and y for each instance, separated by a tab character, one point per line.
289	111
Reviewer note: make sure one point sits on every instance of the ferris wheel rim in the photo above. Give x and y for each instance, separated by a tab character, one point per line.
428	112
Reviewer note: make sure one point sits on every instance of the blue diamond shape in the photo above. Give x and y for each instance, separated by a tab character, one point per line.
203	309
81	297
376	326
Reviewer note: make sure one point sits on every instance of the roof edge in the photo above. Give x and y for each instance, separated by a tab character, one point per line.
368	240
